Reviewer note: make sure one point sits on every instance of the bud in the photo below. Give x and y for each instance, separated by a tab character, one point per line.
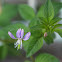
45	34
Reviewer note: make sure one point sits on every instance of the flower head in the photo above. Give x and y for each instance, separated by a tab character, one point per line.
19	35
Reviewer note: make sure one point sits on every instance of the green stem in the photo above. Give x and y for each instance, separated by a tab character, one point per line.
32	59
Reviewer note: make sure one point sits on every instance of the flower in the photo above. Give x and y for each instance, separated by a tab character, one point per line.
19	35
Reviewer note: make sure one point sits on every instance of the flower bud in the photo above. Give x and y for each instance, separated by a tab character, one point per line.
45	34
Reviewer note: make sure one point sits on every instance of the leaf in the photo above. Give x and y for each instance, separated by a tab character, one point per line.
59	31
13	29
57	6
53	35
43	20
37	30
26	12
49	38
26	43
40	12
55	20
8	12
34	45
36	27
46	58
48	10
36	33
33	22
57	25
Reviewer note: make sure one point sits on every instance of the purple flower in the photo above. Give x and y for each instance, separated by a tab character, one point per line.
19	35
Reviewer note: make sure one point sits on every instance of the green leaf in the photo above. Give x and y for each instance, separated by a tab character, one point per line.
46	58
34	45
57	25
59	31
40	12
49	38
36	27
13	29
36	33
53	35
26	43
8	12
33	22
43	20
57	6
55	20
26	12
37	30
48	10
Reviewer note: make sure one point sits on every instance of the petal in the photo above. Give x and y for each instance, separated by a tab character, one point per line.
27	36
22	33
18	33
11	35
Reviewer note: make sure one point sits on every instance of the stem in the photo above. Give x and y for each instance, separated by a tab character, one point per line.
32	59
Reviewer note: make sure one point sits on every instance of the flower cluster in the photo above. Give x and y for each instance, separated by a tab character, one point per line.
19	35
